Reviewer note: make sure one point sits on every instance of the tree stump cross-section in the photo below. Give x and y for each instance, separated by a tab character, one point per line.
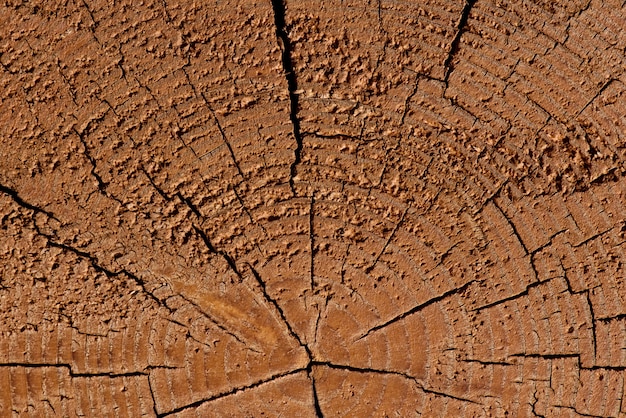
322	208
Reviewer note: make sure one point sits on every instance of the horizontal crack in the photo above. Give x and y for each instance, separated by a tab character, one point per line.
389	372
73	374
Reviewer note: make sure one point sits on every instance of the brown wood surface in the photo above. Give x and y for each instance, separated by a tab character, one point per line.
313	208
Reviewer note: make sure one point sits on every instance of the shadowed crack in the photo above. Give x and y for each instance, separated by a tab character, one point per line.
316	400
454	45
274	303
390	372
73	374
602	89
513	297
513	229
102	185
571	408
487	363
388	241
587	294
94	263
231	392
83	254
224	254
292	84
418	308
201	95
17	199
214	321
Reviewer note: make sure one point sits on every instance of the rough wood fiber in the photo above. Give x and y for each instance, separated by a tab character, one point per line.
320	208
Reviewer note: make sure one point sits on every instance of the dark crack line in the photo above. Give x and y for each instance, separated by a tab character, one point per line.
593	237
513	297
281	313
207	242
73	374
454	45
419	307
231	392
316	400
102	185
229	260
593	323
487	363
586	292
392	373
612	318
223	134
212	249
611	368
93	20
312	241
201	95
388	241
546	356
189	204
533	406
94	263
292	84
154	403
17	199
571	408
602	89
92	259
513	229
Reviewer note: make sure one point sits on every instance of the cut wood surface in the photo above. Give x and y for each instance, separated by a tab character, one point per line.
313	208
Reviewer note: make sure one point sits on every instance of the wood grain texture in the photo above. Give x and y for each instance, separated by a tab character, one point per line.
328	208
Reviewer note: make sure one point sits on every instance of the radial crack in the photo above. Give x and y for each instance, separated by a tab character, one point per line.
213	320
17	199
73	374
390	372
511	298
292	84
316	400
274	302
230	392
387	242
418	308
92	259
454	45
229	260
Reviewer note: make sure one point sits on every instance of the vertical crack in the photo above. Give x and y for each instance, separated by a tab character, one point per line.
312	241
102	185
292	85
316	401
454	46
